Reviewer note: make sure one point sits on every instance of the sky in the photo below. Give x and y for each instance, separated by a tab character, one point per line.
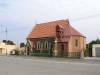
19	16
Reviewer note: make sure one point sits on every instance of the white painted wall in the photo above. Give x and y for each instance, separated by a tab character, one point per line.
6	49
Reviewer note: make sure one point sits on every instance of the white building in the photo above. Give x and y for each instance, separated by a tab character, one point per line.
6	49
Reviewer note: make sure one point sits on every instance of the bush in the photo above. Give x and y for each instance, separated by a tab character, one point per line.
15	52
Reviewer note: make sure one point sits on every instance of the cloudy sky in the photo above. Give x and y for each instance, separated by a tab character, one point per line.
20	15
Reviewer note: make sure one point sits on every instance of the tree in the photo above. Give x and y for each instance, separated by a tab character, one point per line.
8	42
4	41
22	44
86	53
97	41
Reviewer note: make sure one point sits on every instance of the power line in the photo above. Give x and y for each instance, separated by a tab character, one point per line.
85	17
19	29
16	29
76	19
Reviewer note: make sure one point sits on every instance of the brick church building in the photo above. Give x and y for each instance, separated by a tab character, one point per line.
56	38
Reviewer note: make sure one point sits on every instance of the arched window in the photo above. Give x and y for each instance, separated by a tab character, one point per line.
76	43
41	46
49	45
38	45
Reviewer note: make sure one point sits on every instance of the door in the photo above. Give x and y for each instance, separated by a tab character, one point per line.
64	49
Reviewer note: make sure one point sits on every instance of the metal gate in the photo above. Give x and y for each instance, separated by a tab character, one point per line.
97	52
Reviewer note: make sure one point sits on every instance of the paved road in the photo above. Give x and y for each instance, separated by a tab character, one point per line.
46	66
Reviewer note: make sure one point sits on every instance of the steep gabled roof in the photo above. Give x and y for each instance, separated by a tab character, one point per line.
49	29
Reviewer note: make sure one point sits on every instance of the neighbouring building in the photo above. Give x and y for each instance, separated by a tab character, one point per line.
6	49
56	38
96	50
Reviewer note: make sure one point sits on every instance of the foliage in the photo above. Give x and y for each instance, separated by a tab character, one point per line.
8	42
16	52
22	44
86	51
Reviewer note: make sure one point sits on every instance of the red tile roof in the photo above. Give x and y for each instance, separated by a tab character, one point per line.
49	29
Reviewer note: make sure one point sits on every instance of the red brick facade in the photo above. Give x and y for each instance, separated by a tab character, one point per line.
66	41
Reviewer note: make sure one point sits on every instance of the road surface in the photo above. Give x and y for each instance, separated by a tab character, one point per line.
47	66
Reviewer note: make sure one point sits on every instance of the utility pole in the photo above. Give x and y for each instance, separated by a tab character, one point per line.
1	33
6	31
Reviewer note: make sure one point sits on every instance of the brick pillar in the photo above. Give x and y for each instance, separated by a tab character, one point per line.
55	53
82	54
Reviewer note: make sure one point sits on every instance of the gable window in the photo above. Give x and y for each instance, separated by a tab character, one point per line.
62	30
76	43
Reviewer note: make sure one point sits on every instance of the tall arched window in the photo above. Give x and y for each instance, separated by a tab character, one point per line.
46	45
41	46
38	45
49	45
76	43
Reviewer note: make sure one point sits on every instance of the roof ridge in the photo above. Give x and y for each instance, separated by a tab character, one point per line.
69	27
53	21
